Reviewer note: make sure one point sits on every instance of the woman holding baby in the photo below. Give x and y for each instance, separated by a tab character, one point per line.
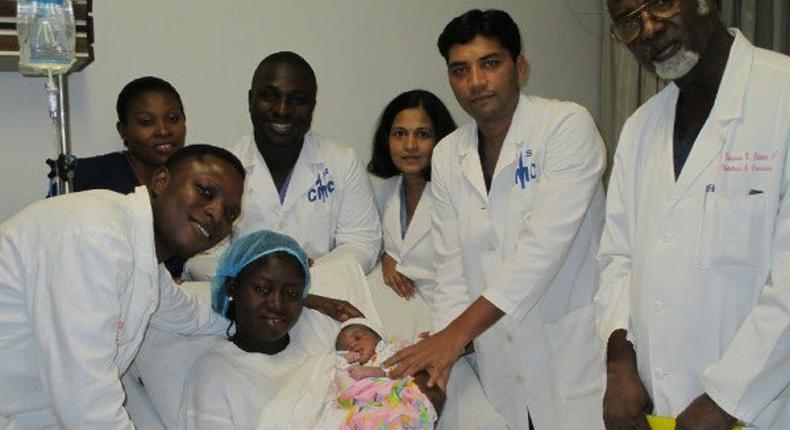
275	368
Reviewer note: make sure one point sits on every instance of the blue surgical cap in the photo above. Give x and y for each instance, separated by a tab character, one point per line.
246	250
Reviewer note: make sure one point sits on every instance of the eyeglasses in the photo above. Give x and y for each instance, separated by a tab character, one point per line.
628	27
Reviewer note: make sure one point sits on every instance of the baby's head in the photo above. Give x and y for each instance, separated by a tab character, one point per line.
360	336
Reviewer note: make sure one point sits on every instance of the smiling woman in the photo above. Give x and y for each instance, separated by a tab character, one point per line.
410	126
152	125
269	300
260	285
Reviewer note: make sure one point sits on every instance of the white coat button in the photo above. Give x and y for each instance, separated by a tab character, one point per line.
658	306
660	374
509	338
491	248
667	237
519	379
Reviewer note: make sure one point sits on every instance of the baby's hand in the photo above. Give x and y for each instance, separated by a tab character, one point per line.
351	357
357	372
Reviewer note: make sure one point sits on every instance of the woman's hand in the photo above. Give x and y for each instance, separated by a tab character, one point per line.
402	285
338	310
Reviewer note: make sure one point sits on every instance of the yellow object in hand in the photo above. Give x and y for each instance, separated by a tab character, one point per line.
668	423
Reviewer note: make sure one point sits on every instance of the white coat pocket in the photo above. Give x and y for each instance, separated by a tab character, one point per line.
730	221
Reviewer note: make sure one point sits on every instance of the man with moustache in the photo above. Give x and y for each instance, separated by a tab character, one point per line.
695	256
518	211
298	182
81	277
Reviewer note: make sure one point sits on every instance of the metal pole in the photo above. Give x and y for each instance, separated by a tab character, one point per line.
67	176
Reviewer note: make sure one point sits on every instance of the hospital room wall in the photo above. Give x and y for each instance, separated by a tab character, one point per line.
364	52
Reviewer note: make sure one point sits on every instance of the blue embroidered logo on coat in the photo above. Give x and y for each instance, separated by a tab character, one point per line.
526	170
321	189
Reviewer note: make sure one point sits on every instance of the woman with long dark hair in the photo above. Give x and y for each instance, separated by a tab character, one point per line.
410	126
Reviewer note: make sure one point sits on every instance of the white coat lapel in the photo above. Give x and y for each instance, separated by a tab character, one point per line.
260	195
705	151
503	186
504	174
727	107
504	180
259	179
663	134
469	159
308	175
391	219
515	140
420	224
260	182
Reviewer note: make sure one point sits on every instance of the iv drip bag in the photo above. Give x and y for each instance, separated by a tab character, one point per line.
46	36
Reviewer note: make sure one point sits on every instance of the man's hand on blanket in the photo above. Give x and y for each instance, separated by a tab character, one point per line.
438	352
434	354
338	310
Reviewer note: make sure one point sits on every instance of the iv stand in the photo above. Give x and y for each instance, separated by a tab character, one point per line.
61	170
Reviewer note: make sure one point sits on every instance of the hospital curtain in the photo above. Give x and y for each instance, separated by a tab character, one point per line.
625	85
764	22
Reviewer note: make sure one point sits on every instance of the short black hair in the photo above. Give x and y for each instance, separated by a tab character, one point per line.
491	23
381	163
198	151
284	57
135	88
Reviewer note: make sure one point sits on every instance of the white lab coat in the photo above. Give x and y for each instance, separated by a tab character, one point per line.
79	283
528	247
414	252
328	207
698	270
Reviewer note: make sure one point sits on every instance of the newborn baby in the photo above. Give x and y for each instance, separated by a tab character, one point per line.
373	400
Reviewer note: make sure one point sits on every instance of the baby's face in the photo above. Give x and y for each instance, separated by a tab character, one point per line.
358	339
